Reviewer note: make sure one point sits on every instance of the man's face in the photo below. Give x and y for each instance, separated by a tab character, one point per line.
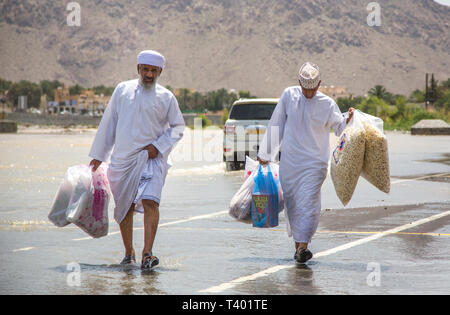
310	93
149	74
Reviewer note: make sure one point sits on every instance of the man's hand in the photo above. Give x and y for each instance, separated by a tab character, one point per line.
152	151
351	110
262	162
95	164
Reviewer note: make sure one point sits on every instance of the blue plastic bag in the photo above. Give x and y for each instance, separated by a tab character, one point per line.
264	208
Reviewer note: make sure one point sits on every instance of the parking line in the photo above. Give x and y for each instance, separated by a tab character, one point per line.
231	284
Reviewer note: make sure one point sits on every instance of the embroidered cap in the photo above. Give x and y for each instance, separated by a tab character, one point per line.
309	75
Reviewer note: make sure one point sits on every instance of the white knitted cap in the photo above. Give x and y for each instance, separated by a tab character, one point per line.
309	75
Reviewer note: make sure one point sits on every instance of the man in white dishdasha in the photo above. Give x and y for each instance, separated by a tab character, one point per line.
301	121
141	125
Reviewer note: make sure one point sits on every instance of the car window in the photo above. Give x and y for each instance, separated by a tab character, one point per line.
252	111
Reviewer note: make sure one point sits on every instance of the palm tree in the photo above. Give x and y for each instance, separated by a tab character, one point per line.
378	91
381	92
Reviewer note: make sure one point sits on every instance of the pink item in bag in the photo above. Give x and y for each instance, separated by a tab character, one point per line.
94	217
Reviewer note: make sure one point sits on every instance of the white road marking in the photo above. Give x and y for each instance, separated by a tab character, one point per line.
418	178
228	285
22	249
198	217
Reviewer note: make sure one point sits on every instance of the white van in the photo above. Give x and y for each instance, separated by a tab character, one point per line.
245	129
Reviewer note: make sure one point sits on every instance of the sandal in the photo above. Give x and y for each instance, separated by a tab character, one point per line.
128	259
303	255
149	261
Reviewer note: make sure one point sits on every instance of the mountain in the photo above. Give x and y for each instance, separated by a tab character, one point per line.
255	45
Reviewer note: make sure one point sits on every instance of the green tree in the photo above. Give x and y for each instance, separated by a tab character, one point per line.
446	84
417	96
29	89
101	89
4	85
381	92
246	94
422	114
444	101
401	111
434	89
198	101
220	99
225	115
205	121
184	99
75	89
48	88
375	107
345	103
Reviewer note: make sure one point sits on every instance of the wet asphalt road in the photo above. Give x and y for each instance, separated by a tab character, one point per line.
204	251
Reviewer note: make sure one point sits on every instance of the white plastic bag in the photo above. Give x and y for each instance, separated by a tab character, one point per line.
71	192
240	205
83	199
250	166
80	178
372	120
376	157
347	159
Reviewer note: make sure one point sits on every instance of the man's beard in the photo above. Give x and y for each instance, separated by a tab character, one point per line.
148	86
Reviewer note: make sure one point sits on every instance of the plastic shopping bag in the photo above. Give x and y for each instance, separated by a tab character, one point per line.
347	159
81	196
265	206
71	194
240	205
82	199
241	201
93	217
376	157
250	167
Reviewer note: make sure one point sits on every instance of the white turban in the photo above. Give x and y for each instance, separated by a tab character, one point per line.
152	58
309	75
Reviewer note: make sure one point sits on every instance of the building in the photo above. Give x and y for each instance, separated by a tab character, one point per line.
64	102
88	102
62	94
85	103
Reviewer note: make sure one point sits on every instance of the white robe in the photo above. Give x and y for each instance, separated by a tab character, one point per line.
302	127
136	117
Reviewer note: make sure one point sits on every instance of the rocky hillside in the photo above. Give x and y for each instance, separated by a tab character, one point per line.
255	45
